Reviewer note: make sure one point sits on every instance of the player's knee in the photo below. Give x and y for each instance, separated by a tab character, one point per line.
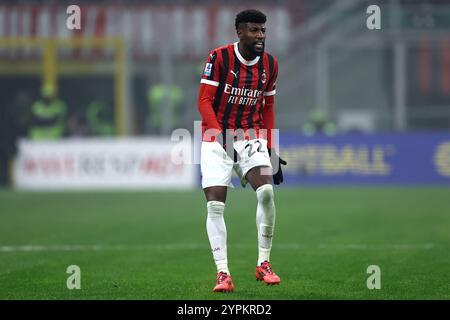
265	194
215	209
218	194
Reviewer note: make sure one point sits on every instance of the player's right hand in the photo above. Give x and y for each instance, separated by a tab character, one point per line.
226	141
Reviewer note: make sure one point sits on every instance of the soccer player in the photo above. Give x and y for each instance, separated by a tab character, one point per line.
236	102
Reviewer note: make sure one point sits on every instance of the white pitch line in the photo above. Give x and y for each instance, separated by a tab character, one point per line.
425	246
196	246
97	247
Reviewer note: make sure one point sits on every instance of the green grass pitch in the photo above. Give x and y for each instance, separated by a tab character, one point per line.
153	245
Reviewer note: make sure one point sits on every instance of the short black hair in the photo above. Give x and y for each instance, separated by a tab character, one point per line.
251	15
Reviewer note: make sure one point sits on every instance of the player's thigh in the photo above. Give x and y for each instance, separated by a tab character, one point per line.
258	176
255	163
216	167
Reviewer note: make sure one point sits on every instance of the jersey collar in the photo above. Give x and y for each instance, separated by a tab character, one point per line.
241	58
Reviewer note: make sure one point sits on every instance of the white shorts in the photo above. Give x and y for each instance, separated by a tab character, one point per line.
217	167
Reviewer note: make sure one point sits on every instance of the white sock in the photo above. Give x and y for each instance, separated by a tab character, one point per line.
217	234
265	221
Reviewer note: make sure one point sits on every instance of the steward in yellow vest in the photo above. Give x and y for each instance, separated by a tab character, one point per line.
48	116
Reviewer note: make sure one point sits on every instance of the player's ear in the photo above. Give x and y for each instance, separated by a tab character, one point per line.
239	31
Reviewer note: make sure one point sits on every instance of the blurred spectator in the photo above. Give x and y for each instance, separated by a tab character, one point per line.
14	122
100	119
319	124
8	136
20	112
77	125
163	100
48	115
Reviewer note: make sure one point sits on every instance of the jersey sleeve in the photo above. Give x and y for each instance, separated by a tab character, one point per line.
205	101
271	87
211	72
268	115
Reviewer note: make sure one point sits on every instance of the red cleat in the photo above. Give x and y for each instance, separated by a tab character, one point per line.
265	273
223	283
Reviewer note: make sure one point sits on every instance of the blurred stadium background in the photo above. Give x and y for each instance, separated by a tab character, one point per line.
355	107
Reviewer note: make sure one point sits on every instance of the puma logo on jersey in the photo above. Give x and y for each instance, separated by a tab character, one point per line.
234	74
212	57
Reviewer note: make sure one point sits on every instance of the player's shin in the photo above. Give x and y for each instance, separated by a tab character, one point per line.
217	234
265	221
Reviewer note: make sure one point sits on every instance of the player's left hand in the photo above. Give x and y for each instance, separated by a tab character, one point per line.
277	176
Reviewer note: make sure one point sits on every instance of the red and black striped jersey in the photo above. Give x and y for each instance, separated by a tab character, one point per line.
241	87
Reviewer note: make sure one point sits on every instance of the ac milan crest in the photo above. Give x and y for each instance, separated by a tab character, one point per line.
263	77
